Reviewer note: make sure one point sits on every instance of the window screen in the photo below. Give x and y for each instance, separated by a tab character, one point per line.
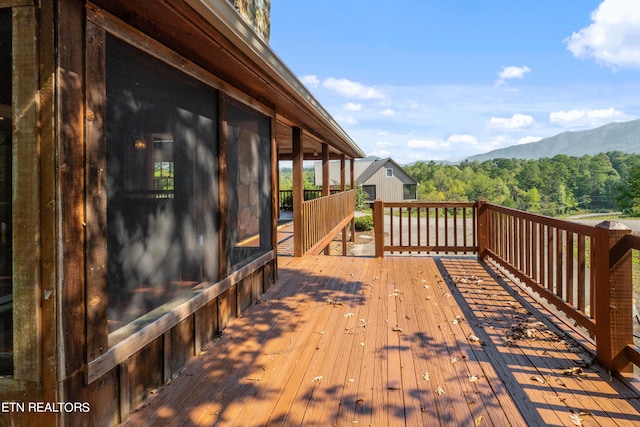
162	178
249	189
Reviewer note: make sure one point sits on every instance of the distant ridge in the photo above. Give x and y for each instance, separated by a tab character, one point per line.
624	136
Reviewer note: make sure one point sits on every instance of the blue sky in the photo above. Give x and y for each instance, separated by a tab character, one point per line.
443	80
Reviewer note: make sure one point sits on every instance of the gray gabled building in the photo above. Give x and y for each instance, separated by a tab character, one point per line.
379	178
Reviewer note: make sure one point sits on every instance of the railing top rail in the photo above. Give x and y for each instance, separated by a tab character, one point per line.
562	224
429	204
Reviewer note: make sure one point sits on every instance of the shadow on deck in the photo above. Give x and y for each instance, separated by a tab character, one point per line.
394	341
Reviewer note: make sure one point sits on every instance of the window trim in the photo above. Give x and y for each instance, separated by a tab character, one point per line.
26	172
389	172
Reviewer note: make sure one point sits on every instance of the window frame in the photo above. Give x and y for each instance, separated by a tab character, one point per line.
26	277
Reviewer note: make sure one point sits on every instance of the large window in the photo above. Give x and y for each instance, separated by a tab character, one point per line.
162	183
6	241
249	179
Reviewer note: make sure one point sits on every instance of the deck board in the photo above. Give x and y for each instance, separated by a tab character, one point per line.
350	341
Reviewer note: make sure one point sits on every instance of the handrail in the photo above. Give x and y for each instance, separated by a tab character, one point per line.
429	227
552	256
324	217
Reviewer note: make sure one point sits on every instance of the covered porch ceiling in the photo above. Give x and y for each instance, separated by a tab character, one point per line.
214	36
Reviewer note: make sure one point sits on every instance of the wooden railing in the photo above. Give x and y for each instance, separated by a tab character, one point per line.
425	227
553	257
323	218
582	271
286	197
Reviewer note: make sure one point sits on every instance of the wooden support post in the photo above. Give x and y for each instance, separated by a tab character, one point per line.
352	186
378	226
298	192
613	296
326	173
483	229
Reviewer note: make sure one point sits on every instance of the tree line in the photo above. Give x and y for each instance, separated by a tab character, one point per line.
552	186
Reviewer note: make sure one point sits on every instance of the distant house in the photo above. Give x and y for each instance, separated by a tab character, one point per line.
379	178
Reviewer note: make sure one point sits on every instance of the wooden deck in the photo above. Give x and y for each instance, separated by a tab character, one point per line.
398	341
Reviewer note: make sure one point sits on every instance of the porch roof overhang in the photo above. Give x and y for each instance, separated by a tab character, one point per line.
213	35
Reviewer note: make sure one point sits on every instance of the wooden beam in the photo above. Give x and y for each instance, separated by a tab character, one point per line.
223	236
326	172
298	192
26	186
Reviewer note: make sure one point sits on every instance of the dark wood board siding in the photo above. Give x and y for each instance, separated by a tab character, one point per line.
70	102
244	293
96	222
102	395
182	344
145	372
206	320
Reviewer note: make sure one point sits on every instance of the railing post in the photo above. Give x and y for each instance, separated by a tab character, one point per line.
483	229
378	226
613	296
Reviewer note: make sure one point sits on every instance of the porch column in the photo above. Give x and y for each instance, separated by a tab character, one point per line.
353	187
297	192
326	178
342	188
614	314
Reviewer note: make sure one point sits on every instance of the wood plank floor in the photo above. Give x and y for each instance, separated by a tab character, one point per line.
399	341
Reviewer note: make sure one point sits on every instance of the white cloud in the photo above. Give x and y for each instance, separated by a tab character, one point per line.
351	89
458	138
384	144
517	121
585	117
351	106
613	38
311	81
512	72
388	112
427	143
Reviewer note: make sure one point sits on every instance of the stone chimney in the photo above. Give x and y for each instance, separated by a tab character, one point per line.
256	13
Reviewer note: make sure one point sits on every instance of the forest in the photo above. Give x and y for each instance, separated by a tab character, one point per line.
554	186
551	186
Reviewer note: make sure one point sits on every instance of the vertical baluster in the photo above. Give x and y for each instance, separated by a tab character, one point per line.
559	263
581	273
437	229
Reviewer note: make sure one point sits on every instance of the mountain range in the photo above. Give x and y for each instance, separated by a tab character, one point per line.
622	136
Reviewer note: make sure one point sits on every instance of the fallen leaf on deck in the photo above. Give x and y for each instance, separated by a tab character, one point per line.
348	315
361	344
426	376
454	360
473	338
473	378
440	391
575	419
363	320
538	379
574	370
316	379
397	329
426	286
478	420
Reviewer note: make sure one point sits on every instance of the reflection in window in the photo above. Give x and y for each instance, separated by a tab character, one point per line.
6	187
249	189
162	178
